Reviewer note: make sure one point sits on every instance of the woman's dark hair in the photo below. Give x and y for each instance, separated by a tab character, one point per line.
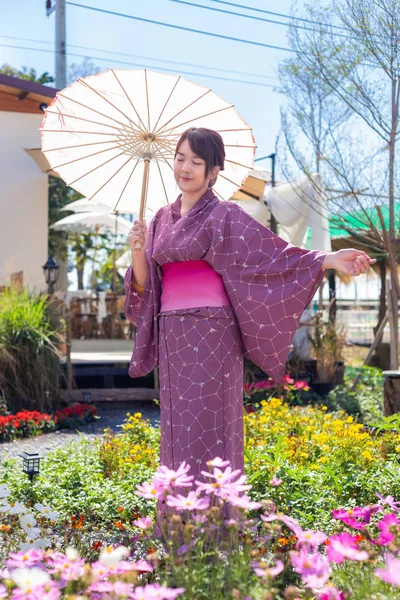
207	144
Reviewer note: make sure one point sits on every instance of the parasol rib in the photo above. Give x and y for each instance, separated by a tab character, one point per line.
87	156
214	112
163	184
166	102
109	179
147	100
108	102
130	101
125	186
78	146
98	111
60	114
95	168
162	128
233	162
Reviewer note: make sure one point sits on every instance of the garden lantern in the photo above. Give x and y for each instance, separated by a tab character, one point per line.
51	271
86	397
31	463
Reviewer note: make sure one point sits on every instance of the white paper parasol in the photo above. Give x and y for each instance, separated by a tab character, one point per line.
112	137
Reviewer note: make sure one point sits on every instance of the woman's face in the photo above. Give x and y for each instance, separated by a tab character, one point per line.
189	169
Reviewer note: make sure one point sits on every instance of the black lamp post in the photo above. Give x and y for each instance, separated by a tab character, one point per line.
51	271
31	463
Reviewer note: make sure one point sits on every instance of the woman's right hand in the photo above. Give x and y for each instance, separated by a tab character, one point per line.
138	233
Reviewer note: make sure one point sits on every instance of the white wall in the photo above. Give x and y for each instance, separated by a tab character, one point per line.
23	201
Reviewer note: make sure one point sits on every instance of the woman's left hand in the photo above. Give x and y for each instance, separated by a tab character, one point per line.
350	262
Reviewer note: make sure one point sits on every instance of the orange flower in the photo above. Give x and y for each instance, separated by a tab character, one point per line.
283	541
4	527
120	525
120	509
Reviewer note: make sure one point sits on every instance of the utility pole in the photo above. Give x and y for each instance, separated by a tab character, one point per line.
60	63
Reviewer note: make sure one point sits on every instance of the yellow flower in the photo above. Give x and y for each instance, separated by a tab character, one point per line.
367	455
324	459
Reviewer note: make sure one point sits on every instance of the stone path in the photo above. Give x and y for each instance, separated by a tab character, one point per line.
51	441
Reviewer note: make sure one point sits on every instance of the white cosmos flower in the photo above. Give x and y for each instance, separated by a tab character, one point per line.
47	512
28	523
34	543
28	578
72	553
14	508
112	556
4	491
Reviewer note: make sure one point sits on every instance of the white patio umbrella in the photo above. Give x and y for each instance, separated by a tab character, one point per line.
93	222
112	137
85	205
96	223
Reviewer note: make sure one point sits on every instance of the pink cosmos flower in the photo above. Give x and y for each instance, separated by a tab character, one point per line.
392	572
189	502
49	592
344	546
70	570
268	571
243	502
275	481
389	501
119	588
224	485
356	517
30	558
218	462
170	478
313	568
386	525
155	591
311	538
153	490
330	593
99	570
143	522
3	591
141	566
269	518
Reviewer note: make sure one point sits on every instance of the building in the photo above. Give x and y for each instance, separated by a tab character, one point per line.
23	182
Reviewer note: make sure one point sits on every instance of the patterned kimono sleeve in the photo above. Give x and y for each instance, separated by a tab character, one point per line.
134	294
269	283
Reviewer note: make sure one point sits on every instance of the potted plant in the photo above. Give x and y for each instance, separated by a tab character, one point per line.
328	342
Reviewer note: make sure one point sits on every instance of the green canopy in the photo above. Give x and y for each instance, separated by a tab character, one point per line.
358	222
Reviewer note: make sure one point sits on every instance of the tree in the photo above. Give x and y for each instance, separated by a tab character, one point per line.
356	55
27	74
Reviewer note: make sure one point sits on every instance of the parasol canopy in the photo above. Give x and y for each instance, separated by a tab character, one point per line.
112	137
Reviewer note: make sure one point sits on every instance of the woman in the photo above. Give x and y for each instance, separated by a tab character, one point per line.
209	286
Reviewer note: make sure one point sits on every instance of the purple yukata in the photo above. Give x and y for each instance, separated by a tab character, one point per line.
200	350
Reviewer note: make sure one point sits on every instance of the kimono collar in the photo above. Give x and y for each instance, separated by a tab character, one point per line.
176	206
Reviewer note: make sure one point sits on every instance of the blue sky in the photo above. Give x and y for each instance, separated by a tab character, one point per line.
113	34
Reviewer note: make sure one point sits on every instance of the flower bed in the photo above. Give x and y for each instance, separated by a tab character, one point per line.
25	424
215	543
288	390
32	423
76	414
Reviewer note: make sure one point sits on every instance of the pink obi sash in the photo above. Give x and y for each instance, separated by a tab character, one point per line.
191	284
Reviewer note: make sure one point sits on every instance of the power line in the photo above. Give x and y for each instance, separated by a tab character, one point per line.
146	58
262	19
145	66
181	28
269	12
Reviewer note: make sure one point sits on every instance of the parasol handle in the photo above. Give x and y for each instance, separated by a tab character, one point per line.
145	184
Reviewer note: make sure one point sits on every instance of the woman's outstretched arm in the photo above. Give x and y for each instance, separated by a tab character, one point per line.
350	261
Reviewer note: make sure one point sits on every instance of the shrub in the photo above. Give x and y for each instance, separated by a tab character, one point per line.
77	414
29	359
25	424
